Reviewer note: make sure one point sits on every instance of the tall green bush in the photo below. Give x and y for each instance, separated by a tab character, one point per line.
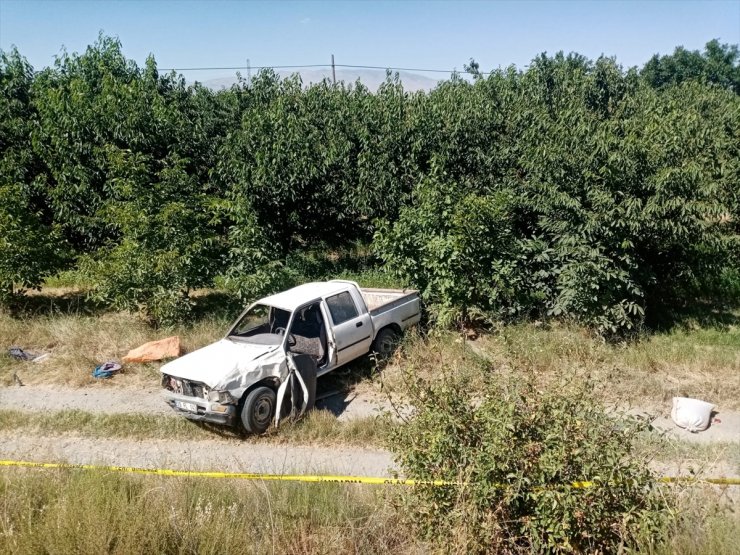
622	198
514	450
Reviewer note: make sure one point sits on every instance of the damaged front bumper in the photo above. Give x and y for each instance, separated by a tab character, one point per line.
201	410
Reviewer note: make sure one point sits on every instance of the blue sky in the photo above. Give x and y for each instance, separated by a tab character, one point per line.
436	34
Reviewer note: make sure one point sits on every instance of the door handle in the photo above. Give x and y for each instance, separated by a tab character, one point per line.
358	325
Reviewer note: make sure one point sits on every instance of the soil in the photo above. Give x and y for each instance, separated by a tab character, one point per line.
215	454
345	405
235	455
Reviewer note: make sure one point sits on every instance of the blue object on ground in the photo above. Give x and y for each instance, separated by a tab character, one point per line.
106	370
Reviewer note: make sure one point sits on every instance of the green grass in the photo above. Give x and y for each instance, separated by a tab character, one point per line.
74	511
71	511
318	427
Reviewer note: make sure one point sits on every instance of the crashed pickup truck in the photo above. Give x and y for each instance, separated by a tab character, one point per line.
296	335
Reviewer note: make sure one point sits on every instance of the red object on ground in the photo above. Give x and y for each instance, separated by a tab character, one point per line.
155	350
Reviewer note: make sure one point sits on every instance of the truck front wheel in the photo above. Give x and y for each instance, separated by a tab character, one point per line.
258	410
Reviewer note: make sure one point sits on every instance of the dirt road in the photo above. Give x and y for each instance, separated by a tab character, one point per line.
232	454
216	454
110	401
725	428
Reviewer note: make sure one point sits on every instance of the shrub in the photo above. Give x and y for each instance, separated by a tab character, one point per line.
516	449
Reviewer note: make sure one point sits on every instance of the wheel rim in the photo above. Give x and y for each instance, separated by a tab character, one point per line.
386	347
387	344
262	410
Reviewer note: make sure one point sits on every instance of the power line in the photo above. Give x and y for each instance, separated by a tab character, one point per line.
237	67
300	66
415	69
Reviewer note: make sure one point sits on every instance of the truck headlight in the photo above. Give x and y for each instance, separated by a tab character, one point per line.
220	397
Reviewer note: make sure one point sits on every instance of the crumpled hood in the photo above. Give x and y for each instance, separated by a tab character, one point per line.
215	363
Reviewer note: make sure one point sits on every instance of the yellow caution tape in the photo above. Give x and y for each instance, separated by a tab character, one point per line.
234	475
318	478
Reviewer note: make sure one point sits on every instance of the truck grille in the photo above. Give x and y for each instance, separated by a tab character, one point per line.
195	389
185	387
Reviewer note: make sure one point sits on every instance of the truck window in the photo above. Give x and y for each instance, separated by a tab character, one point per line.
341	307
261	319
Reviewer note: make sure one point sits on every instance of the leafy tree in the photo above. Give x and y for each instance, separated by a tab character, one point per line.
31	246
621	198
573	188
459	247
718	64
137	147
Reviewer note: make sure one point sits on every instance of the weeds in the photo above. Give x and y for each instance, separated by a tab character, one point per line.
646	372
79	338
71	511
706	521
517	448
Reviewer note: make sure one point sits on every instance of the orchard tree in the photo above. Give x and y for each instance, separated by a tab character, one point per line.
31	246
719	64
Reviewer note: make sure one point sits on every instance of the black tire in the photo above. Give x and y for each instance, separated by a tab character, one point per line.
258	410
385	343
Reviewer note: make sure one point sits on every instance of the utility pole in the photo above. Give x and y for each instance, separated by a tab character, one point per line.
333	71
249	72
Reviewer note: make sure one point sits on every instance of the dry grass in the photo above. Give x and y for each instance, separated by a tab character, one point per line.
648	372
707	521
72	511
78	339
701	362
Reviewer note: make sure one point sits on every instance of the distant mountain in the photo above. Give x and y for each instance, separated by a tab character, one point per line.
371	78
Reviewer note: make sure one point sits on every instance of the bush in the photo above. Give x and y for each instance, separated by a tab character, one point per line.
517	449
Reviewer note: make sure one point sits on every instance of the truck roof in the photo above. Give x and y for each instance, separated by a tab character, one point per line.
302	294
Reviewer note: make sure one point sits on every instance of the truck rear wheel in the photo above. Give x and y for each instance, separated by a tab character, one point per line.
258	410
385	342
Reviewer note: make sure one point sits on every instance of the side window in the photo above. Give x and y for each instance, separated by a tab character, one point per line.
342	307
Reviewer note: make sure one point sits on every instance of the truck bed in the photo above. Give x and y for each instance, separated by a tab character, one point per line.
379	301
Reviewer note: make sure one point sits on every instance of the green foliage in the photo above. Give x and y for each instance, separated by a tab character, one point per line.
505	445
31	246
573	189
317	163
458	247
718	64
620	199
254	268
136	147
165	245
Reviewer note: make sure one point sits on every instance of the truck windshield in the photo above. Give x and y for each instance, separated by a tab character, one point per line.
262	320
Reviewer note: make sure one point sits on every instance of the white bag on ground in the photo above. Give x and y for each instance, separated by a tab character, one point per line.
692	414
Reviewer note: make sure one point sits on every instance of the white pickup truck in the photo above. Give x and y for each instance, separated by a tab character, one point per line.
237	379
